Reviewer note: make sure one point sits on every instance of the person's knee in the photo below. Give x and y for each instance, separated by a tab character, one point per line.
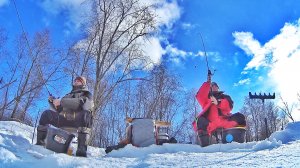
81	119
202	123
84	130
239	118
42	128
87	119
46	117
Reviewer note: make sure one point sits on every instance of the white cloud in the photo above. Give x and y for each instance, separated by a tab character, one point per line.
235	59
252	47
260	78
216	57
243	82
281	57
167	12
153	49
4	2
76	10
177	55
201	54
175	52
187	26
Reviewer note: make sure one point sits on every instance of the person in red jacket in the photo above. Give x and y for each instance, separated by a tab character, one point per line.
216	110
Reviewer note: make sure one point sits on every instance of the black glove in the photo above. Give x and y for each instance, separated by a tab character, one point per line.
209	72
209	76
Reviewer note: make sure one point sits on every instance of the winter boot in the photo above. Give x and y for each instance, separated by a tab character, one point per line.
204	138
115	147
41	135
83	138
172	140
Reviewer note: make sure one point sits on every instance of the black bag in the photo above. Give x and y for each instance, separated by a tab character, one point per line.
239	118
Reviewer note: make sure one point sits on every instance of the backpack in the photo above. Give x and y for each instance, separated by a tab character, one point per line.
145	132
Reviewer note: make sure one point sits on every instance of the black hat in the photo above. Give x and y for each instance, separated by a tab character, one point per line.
214	84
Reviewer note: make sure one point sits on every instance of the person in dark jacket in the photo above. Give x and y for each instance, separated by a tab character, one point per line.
73	110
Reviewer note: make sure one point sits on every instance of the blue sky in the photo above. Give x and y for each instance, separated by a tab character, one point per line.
254	45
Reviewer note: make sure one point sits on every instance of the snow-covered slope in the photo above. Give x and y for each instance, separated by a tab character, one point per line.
281	150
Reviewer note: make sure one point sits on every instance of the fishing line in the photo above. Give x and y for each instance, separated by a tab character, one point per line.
204	51
30	50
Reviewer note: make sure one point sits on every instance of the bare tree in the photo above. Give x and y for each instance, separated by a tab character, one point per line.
159	96
286	109
252	109
34	66
272	116
112	49
183	130
257	115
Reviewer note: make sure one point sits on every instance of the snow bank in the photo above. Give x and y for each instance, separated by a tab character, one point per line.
16	150
289	134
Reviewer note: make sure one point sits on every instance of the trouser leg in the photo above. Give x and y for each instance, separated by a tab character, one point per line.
41	135
83	139
47	117
204	138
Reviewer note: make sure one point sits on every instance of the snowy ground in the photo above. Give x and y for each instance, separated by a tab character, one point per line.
282	151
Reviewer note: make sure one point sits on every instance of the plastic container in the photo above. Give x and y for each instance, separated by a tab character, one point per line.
236	134
58	140
162	138
72	148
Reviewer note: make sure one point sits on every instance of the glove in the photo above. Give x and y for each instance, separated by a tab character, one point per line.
213	100
50	99
209	76
209	73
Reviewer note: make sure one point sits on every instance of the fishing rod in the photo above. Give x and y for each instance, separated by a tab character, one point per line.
206	59
204	52
30	50
209	73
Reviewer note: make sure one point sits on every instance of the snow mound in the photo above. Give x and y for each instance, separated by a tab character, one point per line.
16	150
289	134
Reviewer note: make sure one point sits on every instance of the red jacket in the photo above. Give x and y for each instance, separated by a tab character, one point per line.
216	120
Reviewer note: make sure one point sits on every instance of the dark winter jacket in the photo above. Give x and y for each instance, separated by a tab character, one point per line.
77	100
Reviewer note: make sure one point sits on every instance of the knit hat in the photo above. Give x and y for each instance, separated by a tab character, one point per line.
214	84
81	79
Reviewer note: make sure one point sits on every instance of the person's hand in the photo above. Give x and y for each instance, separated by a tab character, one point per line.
56	102
209	73
50	99
209	76
213	100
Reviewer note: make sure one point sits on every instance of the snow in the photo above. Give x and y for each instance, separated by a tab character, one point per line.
282	149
